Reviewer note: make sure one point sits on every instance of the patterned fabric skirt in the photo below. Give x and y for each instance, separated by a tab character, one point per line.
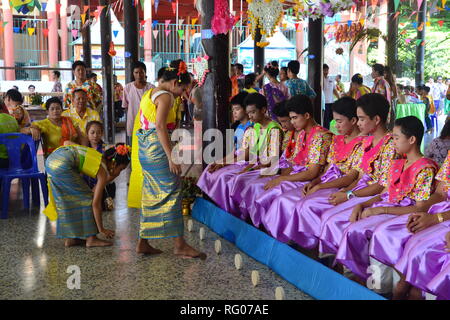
72	196
161	194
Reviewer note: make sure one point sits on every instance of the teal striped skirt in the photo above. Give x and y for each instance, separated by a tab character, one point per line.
73	197
161	215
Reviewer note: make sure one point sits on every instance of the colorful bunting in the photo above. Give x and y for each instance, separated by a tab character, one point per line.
83	18
24	23
407	40
419	4
167	33
396	14
1	29
396	3
154	24
45	31
181	33
174	7
115	33
25	6
75	33
44	7
155	33
441	23
85	9
194	21
5	23
156	6
141	33
16	29
31	31
167	23
193	31
180	21
420	28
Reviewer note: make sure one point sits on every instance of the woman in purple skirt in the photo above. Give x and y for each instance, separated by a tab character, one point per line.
261	145
313	145
410	185
372	111
303	226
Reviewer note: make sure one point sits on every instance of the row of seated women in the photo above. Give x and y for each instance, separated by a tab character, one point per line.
366	197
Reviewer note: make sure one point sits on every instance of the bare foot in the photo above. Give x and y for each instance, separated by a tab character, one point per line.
96	242
186	251
144	248
401	290
73	242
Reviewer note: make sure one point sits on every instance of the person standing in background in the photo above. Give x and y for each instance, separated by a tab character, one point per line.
57	86
340	88
329	91
132	94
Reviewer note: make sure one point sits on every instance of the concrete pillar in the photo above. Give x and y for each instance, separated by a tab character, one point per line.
9	41
52	17
64	37
148	32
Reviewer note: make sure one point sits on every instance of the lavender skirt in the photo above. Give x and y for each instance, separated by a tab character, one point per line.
389	238
354	247
334	221
440	285
424	259
255	200
217	185
303	224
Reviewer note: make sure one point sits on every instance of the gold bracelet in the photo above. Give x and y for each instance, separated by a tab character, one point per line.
440	217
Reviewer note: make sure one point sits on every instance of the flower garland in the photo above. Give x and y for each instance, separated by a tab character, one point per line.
316	9
25	6
265	14
201	68
223	21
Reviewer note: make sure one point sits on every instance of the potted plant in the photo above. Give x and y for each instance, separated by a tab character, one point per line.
36	99
189	191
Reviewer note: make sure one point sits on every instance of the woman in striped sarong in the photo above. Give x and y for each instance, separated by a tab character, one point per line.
161	199
78	209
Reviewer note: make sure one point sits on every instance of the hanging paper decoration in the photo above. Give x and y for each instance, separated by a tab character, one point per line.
155	33
111	50
115	33
180	21
83	18
44	6
141	33
156	6
25	6
167	23
315	9
265	14
441	23
194	21
127	54
174	7
193	31
200	68
31	31
24	23
167	33
154	24
74	33
222	20
181	33
16	29
45	32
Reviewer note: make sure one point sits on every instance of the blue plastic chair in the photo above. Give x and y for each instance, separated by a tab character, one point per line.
16	144
434	121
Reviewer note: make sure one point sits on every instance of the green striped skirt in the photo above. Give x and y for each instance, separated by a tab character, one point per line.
161	215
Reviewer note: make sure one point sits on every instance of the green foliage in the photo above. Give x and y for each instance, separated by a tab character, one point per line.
36	100
189	188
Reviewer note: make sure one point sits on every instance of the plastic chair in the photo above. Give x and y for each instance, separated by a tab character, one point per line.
434	121
16	144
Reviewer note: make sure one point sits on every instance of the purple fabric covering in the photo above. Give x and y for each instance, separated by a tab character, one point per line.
217	185
440	285
254	200
354	247
424	257
335	220
288	219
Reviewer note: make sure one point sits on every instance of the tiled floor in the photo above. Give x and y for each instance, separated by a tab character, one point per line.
34	263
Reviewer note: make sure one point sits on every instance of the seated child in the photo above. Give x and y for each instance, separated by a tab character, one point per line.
94	131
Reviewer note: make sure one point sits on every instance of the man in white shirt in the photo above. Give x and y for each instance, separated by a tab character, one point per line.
329	91
439	92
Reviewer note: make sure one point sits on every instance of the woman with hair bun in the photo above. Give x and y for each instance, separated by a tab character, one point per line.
357	89
161	215
274	91
78	209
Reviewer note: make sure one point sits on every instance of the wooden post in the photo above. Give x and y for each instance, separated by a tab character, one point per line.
315	63
132	37
420	49
258	55
86	34
392	34
108	101
217	85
